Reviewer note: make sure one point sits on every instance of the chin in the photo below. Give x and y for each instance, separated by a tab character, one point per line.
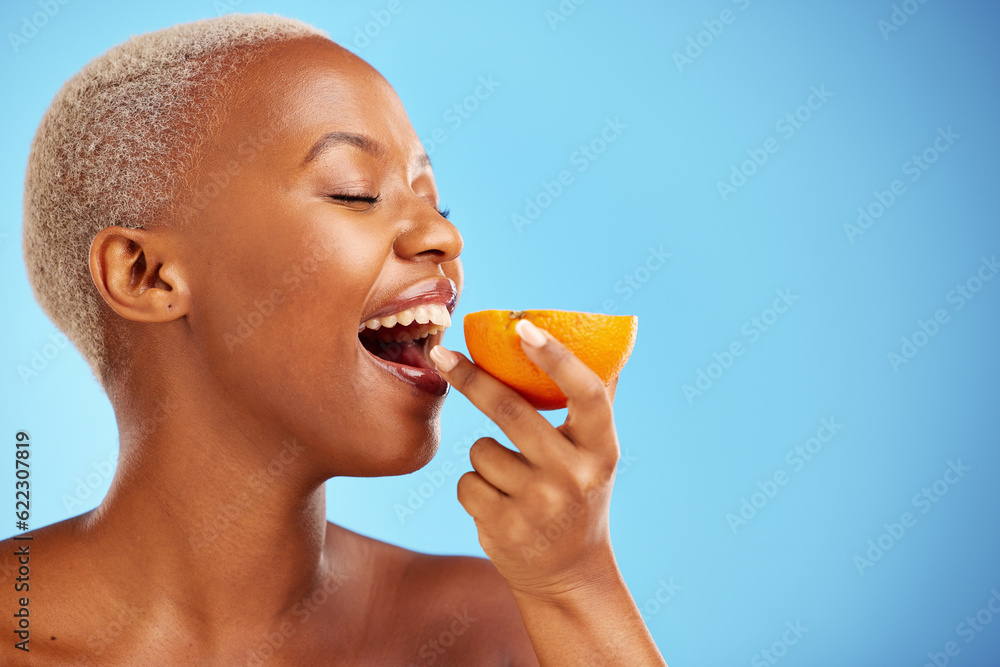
400	462
413	462
401	452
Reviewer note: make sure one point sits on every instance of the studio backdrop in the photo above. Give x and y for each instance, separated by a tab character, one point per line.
797	200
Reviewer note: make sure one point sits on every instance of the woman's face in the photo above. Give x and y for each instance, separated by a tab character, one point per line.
315	210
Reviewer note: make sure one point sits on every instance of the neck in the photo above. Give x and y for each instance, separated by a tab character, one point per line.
211	516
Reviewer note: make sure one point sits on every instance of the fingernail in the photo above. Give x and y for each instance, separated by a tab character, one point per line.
529	333
443	358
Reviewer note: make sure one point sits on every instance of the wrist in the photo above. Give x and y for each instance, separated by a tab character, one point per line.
595	577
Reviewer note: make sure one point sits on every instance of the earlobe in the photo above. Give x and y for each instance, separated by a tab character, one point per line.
138	275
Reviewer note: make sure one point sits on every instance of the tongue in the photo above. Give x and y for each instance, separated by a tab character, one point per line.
412	354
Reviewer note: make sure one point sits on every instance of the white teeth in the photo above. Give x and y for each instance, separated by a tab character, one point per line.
426	333
428	319
438	314
388	335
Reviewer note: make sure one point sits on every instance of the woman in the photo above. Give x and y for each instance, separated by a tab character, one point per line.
213	213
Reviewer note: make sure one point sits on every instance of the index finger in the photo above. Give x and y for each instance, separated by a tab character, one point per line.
589	419
509	410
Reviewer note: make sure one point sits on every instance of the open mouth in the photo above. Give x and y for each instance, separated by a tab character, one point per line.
401	342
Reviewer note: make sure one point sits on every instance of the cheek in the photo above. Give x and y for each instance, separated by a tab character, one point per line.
278	303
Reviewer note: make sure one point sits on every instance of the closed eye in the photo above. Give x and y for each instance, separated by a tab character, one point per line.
370	200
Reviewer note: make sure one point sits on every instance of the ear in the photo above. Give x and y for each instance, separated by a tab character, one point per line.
138	275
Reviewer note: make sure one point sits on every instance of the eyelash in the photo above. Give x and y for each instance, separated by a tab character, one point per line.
444	213
358	198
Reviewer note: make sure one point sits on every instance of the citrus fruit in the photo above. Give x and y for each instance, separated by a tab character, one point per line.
602	342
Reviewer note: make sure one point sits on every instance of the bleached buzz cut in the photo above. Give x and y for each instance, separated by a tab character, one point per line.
114	148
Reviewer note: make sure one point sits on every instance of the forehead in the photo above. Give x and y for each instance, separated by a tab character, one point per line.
306	88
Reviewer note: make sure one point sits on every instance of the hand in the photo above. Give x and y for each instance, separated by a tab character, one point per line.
542	514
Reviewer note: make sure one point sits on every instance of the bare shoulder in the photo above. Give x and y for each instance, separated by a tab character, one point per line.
456	609
42	568
54	545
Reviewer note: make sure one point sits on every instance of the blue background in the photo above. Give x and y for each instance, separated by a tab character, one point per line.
690	459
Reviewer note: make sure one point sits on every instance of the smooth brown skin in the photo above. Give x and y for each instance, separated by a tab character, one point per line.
143	579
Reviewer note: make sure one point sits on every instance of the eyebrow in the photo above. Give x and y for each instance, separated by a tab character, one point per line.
331	139
360	141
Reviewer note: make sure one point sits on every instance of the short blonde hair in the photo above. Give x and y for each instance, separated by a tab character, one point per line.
115	147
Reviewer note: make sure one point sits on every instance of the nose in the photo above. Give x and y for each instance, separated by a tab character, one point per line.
428	236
